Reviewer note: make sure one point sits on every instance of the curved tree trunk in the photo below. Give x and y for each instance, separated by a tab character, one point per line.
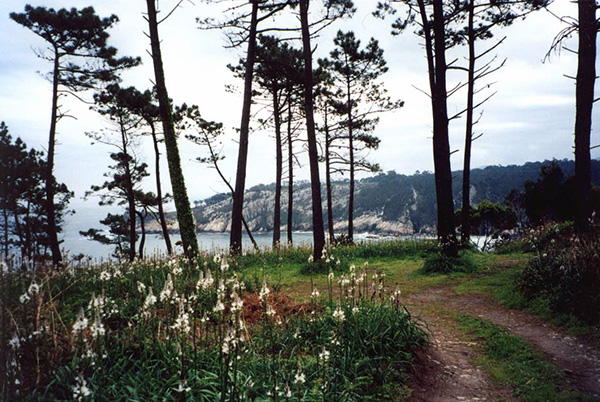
235	242
586	76
185	217
161	211
143	238
313	155
50	182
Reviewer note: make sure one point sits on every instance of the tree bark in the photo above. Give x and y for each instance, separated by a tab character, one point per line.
351	160
50	182
159	200
143	237
290	206
441	145
235	242
466	183
317	210
586	76
328	183
130	193
185	217
279	170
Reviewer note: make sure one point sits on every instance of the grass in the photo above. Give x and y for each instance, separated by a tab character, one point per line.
513	362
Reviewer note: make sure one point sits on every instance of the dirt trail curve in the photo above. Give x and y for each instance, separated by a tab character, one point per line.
580	362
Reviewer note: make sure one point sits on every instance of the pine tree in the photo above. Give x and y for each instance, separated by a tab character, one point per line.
81	60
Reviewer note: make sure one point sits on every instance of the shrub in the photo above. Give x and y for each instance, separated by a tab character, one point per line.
438	263
566	273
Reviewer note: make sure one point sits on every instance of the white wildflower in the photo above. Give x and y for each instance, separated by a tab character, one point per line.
338	314
167	291
97	328
315	293
299	378
270	311
141	287
324	355
150	299
34	288
264	292
14	342
81	390
104	276
24	298
81	322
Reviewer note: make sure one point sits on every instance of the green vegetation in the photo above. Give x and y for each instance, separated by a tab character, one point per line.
168	329
514	363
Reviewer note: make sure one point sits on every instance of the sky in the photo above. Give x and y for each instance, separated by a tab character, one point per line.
530	118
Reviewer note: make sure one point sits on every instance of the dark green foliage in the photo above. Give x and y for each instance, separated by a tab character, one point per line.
438	263
565	272
22	199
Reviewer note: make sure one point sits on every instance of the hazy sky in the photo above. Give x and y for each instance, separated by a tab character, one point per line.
531	117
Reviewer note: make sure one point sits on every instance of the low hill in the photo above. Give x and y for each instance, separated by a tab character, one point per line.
388	203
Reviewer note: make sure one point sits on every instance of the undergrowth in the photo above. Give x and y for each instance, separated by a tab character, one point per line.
178	330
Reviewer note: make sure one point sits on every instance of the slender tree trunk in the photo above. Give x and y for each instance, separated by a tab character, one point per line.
130	194
50	182
441	145
161	211
466	184
279	170
143	238
313	155
185	217
586	76
5	216
328	182
290	220
235	242
351	159
19	233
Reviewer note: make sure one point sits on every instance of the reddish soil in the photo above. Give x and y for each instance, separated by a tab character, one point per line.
446	371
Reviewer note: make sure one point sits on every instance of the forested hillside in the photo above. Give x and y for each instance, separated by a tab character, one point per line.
388	203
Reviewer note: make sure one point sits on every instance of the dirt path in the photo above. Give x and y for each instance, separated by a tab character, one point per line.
446	372
449	373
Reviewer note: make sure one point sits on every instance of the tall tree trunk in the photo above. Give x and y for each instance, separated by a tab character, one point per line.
130	194
143	238
466	184
290	206
5	216
351	154
328	182
50	182
235	242
586	76
279	170
441	145
159	200
313	155
185	217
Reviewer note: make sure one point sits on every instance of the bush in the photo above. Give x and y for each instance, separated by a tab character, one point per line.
438	263
566	273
